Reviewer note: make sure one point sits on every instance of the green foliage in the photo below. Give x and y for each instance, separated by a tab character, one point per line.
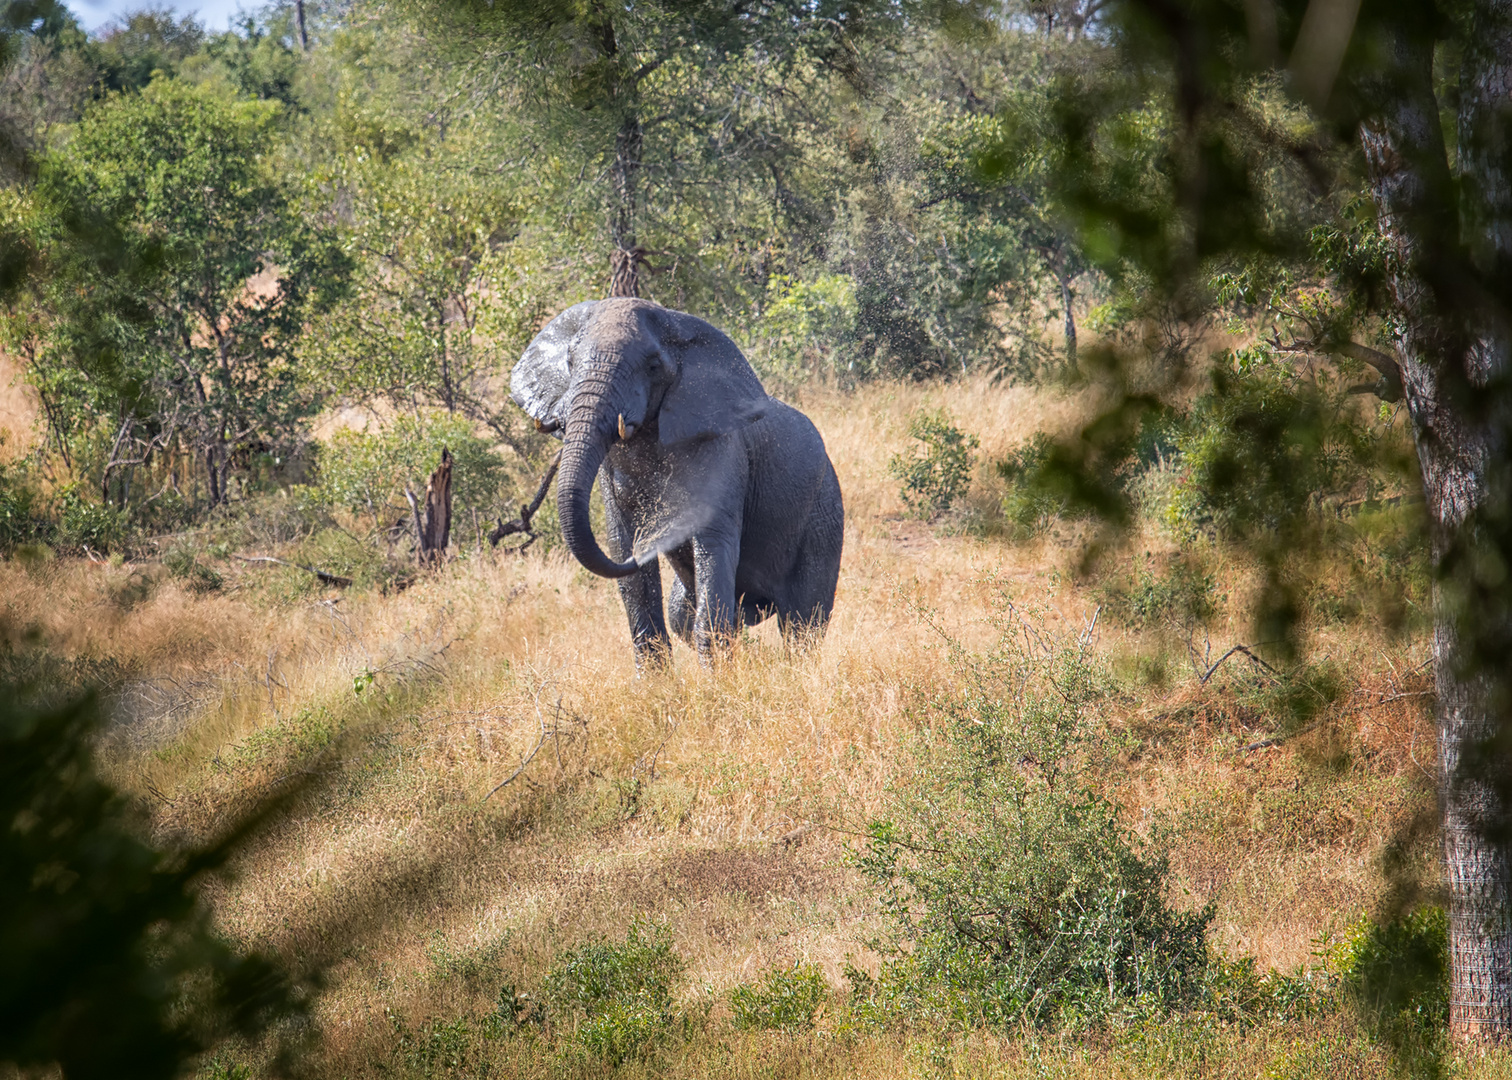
443	303
21	521
1016	890
109	965
807	328
787	1000
617	994
261	60
1030	505
1181	597
1264	447
143	44
153	332
182	561
86	524
437	1047
1238	992
1397	976
936	478
368	471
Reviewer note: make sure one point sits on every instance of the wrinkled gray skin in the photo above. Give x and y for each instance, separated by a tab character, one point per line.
731	487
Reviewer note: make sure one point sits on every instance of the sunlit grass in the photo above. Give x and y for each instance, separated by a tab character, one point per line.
718	800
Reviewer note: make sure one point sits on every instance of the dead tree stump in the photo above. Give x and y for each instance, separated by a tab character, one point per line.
434	532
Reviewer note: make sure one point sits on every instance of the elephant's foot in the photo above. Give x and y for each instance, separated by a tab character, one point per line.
653	655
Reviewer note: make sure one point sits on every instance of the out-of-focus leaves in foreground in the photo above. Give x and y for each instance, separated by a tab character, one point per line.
109	965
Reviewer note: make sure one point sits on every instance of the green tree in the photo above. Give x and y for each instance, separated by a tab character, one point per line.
132	50
180	276
1215	136
659	113
435	317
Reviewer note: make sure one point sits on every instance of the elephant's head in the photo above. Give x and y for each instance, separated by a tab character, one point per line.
606	371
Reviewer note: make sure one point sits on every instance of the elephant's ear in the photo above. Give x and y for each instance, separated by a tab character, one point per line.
715	390
541	376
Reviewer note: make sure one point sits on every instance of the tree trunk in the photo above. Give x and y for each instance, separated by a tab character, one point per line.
624	271
1454	353
624	261
299	20
212	469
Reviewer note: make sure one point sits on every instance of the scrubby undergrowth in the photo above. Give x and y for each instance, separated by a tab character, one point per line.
661	885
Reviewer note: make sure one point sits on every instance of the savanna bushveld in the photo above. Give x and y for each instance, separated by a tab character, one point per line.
1153	724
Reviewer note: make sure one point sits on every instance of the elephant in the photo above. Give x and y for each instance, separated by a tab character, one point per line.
697	465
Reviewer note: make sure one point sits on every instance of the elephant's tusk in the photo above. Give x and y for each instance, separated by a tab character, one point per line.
625	430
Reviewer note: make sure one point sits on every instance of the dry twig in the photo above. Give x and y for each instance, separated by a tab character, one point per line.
328	578
1245	649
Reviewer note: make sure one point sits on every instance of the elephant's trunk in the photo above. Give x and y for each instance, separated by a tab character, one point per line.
590	431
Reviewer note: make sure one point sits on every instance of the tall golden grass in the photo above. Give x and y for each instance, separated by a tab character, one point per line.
719	799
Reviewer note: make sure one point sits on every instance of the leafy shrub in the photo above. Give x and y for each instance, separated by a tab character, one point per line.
182	563
20	519
1264	448
625	1028
1240	993
934	479
1296	697
82	523
787	1001
1031	504
368	471
617	994
1015	893
1397	976
1181	597
437	1047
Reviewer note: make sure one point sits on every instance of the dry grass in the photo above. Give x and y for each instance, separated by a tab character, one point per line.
18	412
685	795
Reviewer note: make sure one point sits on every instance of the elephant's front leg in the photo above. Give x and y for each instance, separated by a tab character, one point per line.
715	614
641	593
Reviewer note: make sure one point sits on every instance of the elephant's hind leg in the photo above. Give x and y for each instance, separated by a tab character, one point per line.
811	599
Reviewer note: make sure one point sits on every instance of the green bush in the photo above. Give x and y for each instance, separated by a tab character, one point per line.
21	521
1182	597
1265	448
1015	892
183	564
1031	504
1396	975
1240	993
367	471
787	1000
82	524
617	995
807	329
934	479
